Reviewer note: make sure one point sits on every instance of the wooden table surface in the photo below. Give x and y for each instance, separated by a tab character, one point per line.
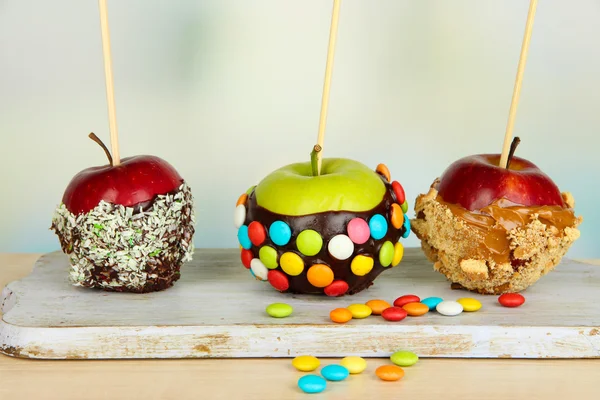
275	378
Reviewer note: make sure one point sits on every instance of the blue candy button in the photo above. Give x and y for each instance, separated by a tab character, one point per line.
280	233
407	226
335	372
243	237
378	226
432	302
312	384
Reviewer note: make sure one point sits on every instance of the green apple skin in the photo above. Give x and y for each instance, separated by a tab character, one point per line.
344	185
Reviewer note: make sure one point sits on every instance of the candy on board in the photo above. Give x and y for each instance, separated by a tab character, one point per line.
469	304
449	308
340	315
511	299
405	299
359	311
377	306
404	358
279	310
312	384
354	364
416	309
306	363
394	314
389	372
432	302
335	372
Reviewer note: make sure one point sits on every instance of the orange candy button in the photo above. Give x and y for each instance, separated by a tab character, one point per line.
389	372
383	170
242	200
340	315
320	275
397	216
416	309
377	306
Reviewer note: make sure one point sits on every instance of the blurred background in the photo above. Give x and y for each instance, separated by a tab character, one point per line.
227	91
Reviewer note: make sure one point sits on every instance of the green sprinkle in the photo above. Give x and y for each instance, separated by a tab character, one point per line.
98	226
154	253
131	242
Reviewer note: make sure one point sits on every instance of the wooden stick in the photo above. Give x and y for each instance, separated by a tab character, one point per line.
518	82
328	70
110	91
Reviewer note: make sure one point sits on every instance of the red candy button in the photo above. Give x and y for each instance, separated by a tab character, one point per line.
247	257
278	280
394	314
257	233
337	288
511	299
407	298
399	191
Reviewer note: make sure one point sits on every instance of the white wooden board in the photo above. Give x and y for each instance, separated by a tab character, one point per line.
218	310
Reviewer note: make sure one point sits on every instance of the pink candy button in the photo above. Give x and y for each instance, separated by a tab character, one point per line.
358	230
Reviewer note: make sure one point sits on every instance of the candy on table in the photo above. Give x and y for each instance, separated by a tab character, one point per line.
340	315
279	310
335	372
354	364
377	306
394	314
405	299
416	309
359	311
469	304
306	363
389	372
312	384
432	302
449	308
404	358
511	299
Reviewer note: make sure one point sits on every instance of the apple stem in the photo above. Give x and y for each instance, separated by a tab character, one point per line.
511	153
101	143
314	162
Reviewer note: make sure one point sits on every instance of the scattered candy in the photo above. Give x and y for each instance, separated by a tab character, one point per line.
407	298
279	310
378	226
377	306
340	247
247	257
386	254
359	311
511	299
280	233
320	275
242	200
404	358
335	372
309	242
340	315
389	372
399	192
358	230
398	254
337	288
278	280
312	384
257	233
407	226
243	237
306	363
291	263
449	308
416	309
361	265
432	302
469	304
239	216
268	256
404	207
397	216
258	269
383	170
394	314
354	364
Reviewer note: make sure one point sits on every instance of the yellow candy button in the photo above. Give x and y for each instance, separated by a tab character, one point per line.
469	304
361	265
306	363
359	311
398	253
354	364
291	263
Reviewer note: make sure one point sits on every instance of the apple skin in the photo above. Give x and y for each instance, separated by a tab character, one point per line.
343	184
137	179
477	181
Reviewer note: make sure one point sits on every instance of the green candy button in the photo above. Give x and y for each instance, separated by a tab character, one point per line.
279	310
309	242
404	207
386	254
404	358
268	256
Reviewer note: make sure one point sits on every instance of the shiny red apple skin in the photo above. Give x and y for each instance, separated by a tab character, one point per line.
137	179
476	181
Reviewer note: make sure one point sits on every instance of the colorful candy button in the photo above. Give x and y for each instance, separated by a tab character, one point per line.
511	299
399	192
469	304
242	199
239	216
407	226
389	372
449	308
268	256
259	270
407	298
361	265
335	372
358	230
416	309
432	302
257	233
394	314
337	288
306	363
320	275
278	280
312	384
359	311
279	310
378	226
386	254
291	263
383	170
280	233
404	207
246	257
377	306
340	315
404	358
396	216
250	189
340	247
309	242
243	237
354	364
398	254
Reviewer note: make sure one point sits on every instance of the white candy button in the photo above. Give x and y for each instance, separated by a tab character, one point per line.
340	247
239	216
449	308
259	269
